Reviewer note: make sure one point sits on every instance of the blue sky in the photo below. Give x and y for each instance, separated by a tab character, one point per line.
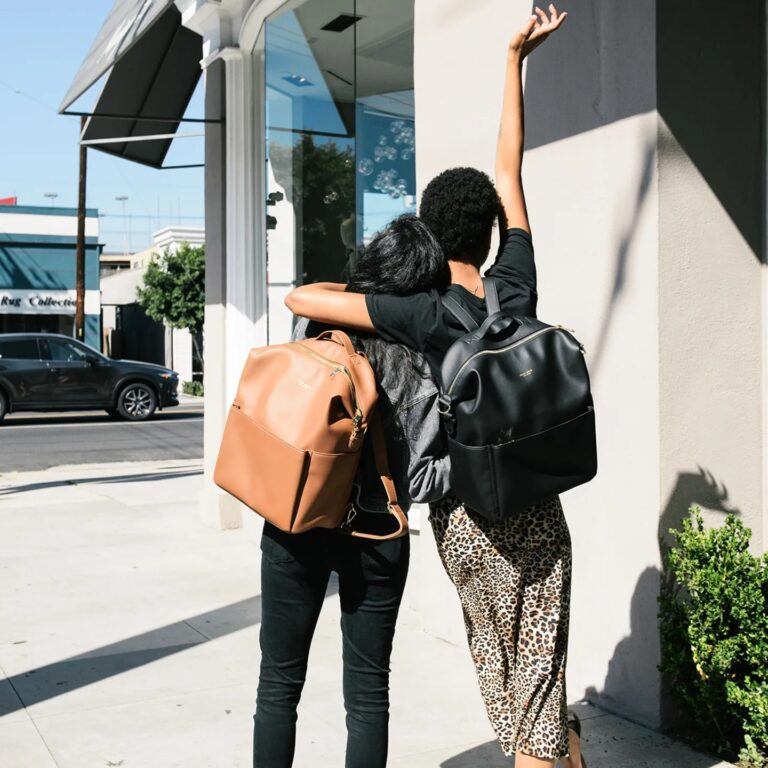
43	44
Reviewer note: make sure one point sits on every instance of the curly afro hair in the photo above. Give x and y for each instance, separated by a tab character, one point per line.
460	206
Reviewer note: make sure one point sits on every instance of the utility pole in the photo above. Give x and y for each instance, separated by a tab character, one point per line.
80	248
126	226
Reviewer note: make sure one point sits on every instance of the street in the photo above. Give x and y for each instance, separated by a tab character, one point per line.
32	441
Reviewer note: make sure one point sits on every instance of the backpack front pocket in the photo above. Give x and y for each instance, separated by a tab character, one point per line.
261	470
531	469
499	481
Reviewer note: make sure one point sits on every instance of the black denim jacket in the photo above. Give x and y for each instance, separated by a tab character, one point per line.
416	447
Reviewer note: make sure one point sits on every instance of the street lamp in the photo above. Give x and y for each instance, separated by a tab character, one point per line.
51	196
122	199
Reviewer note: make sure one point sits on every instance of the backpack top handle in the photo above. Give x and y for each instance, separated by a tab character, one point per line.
492	304
340	338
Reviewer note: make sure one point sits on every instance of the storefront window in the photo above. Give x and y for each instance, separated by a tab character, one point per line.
339	135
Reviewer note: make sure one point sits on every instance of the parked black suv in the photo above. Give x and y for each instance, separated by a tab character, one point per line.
49	372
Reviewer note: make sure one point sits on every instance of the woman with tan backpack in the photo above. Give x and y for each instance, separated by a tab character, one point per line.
403	258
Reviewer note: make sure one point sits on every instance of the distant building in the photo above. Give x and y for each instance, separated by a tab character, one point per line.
127	330
168	237
37	270
109	263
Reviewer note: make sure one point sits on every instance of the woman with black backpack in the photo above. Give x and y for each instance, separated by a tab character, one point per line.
513	577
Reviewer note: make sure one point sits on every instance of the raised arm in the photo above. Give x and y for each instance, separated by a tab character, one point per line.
509	150
330	303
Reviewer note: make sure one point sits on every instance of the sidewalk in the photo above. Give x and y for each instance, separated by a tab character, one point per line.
129	637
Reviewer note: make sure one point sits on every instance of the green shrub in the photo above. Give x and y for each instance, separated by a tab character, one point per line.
714	637
192	388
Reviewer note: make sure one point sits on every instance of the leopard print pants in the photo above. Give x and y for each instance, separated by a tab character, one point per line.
513	580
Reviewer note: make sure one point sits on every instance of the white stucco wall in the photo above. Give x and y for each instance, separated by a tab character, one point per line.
710	332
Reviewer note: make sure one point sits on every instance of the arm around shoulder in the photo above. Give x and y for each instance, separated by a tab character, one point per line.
330	303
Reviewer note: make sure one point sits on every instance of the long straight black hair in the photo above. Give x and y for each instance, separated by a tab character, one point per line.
402	259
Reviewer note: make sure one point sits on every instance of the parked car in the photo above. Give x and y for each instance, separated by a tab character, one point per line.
50	372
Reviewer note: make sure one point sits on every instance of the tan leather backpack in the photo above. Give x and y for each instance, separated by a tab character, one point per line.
293	438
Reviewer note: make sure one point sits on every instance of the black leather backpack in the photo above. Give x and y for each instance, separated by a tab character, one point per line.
517	407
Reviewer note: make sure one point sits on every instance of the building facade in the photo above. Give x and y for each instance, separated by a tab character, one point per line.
38	270
644	174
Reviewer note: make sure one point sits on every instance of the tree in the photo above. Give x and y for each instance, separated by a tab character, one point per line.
174	290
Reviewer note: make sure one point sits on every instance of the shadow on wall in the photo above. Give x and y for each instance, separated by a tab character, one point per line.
598	71
710	95
707	87
621	257
698	488
639	653
701	489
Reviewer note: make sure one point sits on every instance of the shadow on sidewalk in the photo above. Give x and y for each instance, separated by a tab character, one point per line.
51	680
489	755
132	478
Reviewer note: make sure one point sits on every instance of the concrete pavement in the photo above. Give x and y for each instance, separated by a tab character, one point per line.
129	637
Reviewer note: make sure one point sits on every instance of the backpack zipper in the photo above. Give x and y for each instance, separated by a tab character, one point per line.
554	426
506	349
339	368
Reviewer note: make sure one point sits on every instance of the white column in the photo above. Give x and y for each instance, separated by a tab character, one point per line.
245	310
181	346
246	268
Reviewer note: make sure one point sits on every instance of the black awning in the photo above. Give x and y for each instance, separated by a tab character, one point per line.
155	67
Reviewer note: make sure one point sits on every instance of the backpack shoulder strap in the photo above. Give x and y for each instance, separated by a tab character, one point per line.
460	313
492	303
376	433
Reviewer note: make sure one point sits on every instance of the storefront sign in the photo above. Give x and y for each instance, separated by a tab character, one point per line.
33	302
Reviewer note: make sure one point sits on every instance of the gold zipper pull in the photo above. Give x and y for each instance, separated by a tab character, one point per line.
356	422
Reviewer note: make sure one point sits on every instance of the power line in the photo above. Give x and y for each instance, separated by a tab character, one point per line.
19	92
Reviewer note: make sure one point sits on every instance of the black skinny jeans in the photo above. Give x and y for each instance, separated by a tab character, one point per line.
295	570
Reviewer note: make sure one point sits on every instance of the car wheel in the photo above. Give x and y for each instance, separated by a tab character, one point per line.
3	406
136	402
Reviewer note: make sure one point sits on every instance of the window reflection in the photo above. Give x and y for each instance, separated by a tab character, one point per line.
339	133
